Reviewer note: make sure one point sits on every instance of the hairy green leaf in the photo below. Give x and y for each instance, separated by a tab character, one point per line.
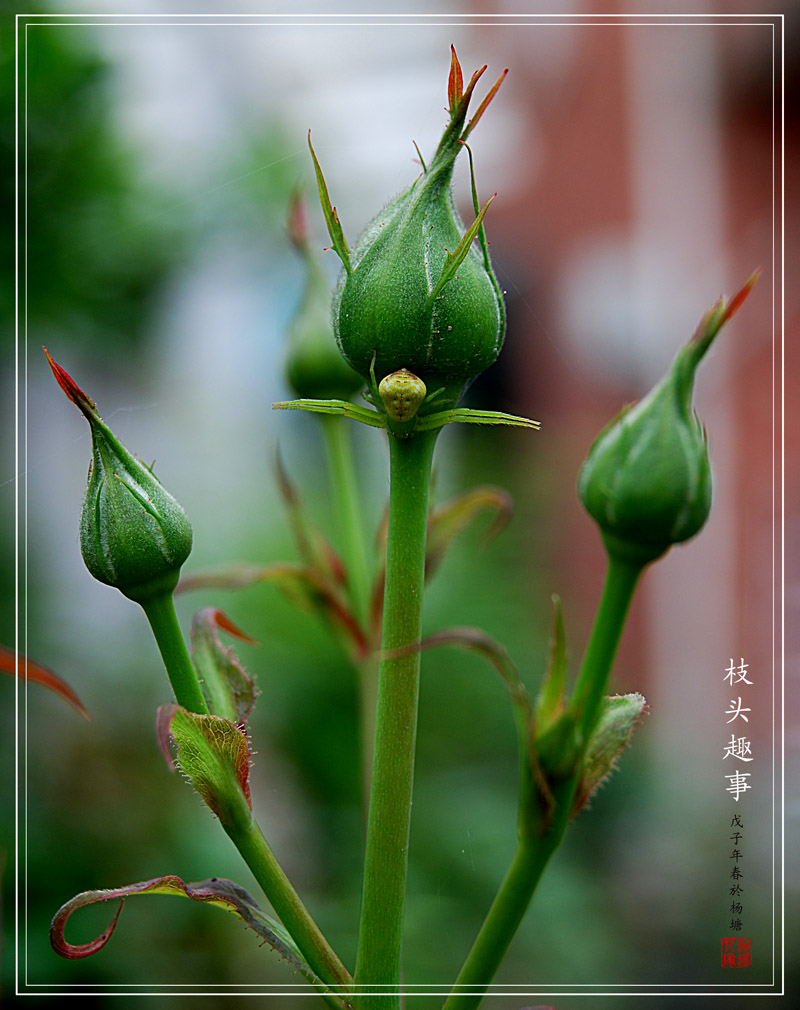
227	687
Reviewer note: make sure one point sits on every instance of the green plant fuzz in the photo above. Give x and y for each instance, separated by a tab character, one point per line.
415	293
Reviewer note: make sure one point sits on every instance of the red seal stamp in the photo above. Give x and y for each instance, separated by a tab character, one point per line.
736	951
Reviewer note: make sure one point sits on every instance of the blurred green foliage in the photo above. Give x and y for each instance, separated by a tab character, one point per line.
97	239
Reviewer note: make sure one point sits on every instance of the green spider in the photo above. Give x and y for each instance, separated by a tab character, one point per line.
398	398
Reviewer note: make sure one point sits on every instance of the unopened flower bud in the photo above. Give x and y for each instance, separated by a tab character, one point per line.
416	293
647	478
134	535
314	365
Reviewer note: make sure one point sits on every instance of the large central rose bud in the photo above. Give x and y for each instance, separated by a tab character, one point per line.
417	293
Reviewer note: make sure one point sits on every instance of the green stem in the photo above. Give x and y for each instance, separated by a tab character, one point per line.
160	612
288	906
367	671
621	579
503	919
535	849
386	855
245	834
348	509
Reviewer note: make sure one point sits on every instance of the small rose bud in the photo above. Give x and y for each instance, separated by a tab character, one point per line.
416	293
134	534
314	365
647	478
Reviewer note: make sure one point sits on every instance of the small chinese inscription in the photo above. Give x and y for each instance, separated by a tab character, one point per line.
737	951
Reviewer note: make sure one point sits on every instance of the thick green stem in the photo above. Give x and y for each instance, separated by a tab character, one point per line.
386	855
160	612
318	953
367	671
621	579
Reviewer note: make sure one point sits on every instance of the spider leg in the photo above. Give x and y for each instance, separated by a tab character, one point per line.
467	416
342	407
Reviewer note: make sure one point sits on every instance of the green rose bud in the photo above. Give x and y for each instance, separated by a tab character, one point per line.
134	534
647	478
415	293
314	366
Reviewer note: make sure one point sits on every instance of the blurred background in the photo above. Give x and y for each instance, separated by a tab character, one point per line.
637	163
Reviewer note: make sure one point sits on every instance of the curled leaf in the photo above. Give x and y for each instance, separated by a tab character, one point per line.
26	669
227	687
216	891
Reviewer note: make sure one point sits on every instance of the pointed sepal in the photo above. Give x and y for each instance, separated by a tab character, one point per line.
453	260
455	82
329	211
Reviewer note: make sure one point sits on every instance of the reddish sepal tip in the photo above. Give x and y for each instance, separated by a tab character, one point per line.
83	402
741	295
455	82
